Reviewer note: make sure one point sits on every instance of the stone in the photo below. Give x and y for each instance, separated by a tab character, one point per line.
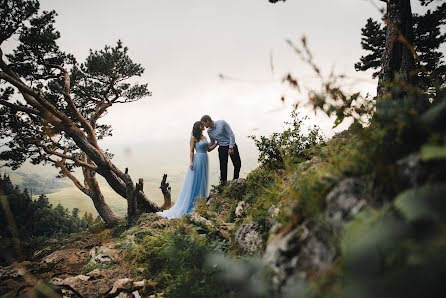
42	253
122	285
199	220
248	238
103	254
211	201
101	274
312	246
273	212
94	284
346	200
14	271
305	249
138	284
240	210
275	228
66	256
411	170
240	181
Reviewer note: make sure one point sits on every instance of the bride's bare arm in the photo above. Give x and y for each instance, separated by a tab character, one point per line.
210	148
192	148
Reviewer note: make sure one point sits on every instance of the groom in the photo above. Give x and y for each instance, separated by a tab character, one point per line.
221	132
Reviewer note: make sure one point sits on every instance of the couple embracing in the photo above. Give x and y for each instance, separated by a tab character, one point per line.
196	181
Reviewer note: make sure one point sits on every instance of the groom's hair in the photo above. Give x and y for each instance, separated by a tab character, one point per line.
206	118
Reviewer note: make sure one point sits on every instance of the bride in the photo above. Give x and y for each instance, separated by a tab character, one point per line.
196	182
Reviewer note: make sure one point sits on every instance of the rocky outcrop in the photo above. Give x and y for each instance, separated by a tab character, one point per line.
312	246
304	250
345	200
248	238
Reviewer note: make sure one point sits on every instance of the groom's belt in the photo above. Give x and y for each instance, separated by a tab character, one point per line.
224	146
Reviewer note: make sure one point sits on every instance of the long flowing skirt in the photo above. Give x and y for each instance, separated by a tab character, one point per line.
195	187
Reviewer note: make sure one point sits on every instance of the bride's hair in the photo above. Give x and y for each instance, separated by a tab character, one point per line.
196	130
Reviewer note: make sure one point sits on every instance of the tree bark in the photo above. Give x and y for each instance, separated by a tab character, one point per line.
114	177
105	212
398	55
131	205
165	189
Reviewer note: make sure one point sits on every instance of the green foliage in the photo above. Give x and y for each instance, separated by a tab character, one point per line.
231	214
92	266
291	145
248	277
13	13
176	261
234	191
373	40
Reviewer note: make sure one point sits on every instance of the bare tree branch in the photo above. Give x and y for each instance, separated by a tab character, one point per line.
61	164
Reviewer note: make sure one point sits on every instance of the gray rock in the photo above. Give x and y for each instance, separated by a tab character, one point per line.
42	253
248	238
240	210
312	247
86	285
304	249
345	200
71	256
102	255
273	212
101	274
411	170
275	228
210	203
199	220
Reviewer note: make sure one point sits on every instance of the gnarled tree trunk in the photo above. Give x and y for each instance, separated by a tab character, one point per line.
398	56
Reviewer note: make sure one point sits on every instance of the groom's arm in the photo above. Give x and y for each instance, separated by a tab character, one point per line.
212	147
212	140
230	135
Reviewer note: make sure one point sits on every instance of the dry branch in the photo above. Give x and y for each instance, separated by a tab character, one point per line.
165	189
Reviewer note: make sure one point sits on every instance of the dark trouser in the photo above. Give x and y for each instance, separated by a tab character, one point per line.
223	156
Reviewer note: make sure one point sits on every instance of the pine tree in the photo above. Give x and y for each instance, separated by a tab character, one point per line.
75	212
373	40
427	39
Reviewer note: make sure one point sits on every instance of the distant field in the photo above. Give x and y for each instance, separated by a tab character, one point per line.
71	197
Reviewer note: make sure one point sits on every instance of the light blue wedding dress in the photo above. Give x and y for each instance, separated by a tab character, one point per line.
195	185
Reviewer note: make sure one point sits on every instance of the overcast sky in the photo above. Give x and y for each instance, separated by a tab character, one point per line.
185	44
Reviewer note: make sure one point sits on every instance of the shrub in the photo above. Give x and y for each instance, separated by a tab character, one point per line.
289	146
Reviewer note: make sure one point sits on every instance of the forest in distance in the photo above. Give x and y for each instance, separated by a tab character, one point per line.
357	214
